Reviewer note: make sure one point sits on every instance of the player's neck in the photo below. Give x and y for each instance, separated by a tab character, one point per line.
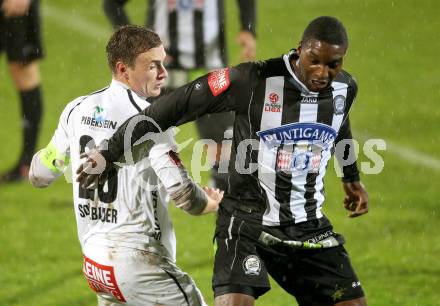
120	79
295	68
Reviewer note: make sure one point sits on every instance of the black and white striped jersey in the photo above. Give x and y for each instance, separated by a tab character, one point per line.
284	134
193	31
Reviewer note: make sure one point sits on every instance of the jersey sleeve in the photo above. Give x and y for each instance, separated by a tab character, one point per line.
166	163
350	171
50	162
168	167
218	91
60	138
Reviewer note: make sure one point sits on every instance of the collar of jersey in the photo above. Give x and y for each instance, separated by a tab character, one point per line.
119	84
116	83
295	80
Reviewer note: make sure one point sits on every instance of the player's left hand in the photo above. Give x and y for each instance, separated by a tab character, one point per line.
248	45
92	169
356	199
15	8
215	196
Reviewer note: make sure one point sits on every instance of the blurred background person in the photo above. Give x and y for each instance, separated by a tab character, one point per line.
193	33
20	39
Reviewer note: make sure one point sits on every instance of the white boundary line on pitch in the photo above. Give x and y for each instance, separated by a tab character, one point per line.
76	22
405	153
413	156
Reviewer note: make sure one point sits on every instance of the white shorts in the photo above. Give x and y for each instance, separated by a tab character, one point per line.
125	276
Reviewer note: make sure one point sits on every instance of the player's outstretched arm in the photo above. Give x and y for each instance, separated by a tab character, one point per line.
356	199
173	175
195	200
208	94
219	91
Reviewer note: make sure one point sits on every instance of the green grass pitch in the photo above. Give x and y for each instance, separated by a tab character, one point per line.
394	56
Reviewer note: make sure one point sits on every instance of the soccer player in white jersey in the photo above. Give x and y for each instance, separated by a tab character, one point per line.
124	227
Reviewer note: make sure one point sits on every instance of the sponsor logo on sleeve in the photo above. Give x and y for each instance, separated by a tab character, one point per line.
102	279
219	81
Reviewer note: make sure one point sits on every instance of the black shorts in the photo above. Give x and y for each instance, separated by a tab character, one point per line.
20	36
314	277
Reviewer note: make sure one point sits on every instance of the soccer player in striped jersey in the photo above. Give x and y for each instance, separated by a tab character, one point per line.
291	113
194	37
124	228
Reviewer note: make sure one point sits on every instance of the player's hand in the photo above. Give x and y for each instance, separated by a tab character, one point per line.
215	196
356	199
15	8
93	169
248	45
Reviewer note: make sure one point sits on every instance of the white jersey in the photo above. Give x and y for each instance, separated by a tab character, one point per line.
129	210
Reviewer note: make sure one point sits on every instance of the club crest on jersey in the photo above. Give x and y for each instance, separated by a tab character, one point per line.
272	103
252	265
299	158
339	105
219	81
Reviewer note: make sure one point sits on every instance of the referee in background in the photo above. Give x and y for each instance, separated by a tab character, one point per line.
20	39
193	33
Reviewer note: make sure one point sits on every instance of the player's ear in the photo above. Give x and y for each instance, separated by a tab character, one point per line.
298	50
121	69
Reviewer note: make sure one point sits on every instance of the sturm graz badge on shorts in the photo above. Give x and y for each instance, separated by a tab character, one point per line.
339	105
252	265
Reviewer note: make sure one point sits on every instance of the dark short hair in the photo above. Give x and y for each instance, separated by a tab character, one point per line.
128	42
327	29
